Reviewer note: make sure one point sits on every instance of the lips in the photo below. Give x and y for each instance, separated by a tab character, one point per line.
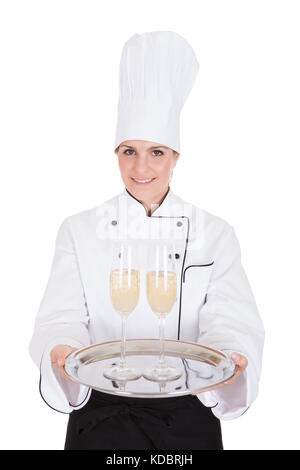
143	181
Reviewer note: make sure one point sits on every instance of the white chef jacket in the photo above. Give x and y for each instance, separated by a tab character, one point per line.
215	305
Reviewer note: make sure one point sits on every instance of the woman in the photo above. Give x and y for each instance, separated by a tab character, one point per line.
216	306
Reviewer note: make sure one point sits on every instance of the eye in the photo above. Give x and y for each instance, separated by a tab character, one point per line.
128	150
159	151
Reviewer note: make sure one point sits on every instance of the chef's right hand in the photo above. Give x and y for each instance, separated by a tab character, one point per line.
58	357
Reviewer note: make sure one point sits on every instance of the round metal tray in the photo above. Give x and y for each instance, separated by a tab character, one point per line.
202	367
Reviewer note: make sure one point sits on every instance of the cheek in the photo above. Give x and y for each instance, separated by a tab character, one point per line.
124	166
164	169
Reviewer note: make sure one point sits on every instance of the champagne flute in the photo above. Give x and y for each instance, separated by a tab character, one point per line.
161	293
124	294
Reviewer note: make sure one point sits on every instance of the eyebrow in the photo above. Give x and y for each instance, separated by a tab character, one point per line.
156	147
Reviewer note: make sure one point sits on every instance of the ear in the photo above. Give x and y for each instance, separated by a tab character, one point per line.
176	157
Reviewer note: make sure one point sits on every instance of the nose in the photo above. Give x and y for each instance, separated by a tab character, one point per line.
141	167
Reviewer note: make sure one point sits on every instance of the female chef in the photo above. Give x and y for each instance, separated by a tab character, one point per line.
216	306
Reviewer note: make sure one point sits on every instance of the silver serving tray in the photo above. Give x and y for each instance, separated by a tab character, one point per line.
202	367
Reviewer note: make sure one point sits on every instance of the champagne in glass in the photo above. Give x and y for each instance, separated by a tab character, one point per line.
161	291
124	294
124	290
161	294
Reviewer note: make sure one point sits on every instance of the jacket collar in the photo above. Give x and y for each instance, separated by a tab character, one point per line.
168	205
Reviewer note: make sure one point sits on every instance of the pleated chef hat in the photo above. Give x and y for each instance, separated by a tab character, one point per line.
157	71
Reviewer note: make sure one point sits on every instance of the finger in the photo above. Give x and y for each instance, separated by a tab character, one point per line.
230	381
60	353
239	360
241	363
64	374
71	350
56	355
61	369
237	372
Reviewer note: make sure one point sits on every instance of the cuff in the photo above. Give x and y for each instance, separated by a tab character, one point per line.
232	401
57	392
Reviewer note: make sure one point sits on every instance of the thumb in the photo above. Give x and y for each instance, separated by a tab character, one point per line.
61	352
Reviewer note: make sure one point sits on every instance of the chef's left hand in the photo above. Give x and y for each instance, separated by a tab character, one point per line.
241	362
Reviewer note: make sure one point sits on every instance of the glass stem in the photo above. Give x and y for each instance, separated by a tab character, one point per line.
122	362
162	340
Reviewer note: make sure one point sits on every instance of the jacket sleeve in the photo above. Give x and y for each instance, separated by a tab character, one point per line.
62	318
229	321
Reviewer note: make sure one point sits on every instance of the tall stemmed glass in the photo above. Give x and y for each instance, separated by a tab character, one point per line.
124	294
161	293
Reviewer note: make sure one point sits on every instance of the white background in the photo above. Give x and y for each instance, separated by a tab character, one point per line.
239	160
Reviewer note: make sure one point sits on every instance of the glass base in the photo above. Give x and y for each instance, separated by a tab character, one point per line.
162	373
122	374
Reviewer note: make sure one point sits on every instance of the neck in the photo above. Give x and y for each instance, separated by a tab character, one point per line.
152	204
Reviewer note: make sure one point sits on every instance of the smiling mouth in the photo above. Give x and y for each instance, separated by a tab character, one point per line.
143	181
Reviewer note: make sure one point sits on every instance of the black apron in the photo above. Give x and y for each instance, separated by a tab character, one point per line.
112	422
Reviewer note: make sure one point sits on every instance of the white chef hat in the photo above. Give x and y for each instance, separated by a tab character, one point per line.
157	71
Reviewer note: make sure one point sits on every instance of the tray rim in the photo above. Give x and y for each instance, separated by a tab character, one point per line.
91	346
152	394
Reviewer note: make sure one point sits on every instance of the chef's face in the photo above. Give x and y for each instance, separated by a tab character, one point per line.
146	168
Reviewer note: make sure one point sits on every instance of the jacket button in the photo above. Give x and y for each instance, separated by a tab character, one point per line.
177	255
179	224
114	222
